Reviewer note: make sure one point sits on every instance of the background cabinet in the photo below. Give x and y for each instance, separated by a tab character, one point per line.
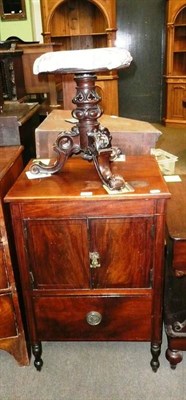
12	338
176	62
175	281
11	75
79	24
92	268
42	83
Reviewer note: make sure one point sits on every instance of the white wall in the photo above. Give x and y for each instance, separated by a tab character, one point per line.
29	29
36	20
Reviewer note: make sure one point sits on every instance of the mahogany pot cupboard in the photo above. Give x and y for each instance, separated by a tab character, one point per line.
91	263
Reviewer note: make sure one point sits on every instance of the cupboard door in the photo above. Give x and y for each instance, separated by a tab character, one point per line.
58	253
125	249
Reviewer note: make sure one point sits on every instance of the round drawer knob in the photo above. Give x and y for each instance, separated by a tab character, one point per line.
93	318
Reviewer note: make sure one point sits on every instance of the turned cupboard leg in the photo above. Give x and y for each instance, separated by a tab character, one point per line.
155	351
37	352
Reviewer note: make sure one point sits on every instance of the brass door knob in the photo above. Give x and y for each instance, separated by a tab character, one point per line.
94	260
93	318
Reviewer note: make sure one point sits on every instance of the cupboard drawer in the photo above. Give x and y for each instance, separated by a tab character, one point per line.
7	315
3	275
66	318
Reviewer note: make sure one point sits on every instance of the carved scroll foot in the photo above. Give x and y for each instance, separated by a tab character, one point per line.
37	351
155	351
174	357
64	147
102	165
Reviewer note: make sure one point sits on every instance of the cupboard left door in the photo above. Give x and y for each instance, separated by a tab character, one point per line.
57	253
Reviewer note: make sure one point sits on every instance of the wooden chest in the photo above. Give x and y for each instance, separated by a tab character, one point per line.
91	264
131	136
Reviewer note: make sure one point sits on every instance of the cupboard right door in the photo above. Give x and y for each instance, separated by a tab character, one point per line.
124	249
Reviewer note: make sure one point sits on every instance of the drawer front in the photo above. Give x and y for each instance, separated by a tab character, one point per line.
93	318
7	317
3	276
101	208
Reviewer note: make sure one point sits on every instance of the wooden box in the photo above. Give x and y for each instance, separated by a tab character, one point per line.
132	136
17	126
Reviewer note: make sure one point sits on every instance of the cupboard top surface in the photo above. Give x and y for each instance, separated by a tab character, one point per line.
79	177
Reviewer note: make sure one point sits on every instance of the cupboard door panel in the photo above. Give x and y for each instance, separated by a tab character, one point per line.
57	253
178	94
69	318
125	249
7	325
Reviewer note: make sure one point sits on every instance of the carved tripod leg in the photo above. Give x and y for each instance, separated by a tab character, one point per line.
64	147
37	352
102	164
155	351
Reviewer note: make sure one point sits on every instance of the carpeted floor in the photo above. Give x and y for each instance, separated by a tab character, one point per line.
173	140
100	371
93	371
